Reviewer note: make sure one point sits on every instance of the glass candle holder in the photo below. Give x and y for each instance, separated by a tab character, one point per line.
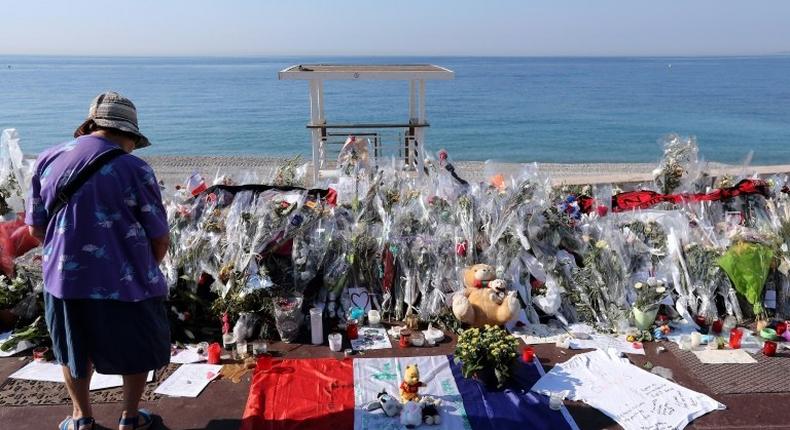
316	326
214	351
769	348
352	329
736	335
556	401
335	342
527	354
260	347
404	340
374	317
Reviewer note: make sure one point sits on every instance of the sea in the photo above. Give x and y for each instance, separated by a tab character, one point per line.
563	110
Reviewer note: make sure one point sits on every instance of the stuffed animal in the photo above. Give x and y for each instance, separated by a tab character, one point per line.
485	299
430	410
411	384
384	401
416	412
411	415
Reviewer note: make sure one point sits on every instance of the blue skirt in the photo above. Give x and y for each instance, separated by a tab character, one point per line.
118	338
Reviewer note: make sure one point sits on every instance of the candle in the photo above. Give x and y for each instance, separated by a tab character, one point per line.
374	317
769	348
335	342
40	354
404	340
316	326
736	335
527	354
696	339
352	329
213	353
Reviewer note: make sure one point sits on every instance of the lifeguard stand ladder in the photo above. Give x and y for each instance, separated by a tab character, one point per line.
322	133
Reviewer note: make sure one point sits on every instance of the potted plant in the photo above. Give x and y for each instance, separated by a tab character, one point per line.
648	298
487	355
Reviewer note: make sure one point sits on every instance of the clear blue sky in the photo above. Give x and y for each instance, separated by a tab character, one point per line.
403	27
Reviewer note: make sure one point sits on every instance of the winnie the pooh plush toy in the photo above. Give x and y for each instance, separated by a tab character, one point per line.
411	384
485	299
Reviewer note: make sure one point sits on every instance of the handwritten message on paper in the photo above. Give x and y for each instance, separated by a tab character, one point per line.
636	399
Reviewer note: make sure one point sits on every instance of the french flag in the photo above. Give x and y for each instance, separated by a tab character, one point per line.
333	394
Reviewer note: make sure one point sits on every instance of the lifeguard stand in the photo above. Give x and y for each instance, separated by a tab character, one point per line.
411	135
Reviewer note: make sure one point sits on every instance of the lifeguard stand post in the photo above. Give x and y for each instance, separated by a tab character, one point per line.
411	135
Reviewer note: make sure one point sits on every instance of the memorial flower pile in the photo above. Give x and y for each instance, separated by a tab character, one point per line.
398	242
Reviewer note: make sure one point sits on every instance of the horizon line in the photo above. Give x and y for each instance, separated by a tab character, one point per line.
733	55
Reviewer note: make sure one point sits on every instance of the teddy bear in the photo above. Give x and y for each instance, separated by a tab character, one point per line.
411	384
485	299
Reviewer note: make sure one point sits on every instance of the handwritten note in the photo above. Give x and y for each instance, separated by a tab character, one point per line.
636	399
371	338
189	380
52	372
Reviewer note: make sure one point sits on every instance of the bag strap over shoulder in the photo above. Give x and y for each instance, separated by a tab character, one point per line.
65	192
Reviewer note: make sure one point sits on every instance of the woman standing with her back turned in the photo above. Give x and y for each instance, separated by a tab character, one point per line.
103	242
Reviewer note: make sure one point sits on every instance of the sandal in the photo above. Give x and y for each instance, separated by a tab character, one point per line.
142	415
78	424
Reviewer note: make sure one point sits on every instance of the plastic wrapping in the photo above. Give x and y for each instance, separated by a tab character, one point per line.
680	169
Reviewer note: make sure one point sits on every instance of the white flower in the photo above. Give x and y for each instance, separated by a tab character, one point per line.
651	282
661	290
601	244
638	285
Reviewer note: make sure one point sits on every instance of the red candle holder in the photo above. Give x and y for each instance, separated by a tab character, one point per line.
781	328
527	354
769	348
214	351
352	329
736	335
717	326
405	338
40	354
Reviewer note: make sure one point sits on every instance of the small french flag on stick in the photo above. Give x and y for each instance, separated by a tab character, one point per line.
196	184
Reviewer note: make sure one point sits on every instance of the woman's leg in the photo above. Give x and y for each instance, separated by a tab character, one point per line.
79	391
133	387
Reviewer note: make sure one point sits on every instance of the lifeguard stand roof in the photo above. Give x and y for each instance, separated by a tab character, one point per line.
366	71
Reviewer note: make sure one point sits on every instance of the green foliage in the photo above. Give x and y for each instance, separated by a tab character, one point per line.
489	348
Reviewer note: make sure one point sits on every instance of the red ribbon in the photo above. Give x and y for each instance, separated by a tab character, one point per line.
644	199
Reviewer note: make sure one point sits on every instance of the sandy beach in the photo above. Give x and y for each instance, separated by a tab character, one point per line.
176	169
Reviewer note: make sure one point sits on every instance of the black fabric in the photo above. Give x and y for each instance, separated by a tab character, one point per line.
66	191
119	338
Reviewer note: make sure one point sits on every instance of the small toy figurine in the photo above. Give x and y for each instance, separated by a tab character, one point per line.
411	416
411	384
430	411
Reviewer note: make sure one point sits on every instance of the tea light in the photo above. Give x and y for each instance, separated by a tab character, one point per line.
40	354
335	342
417	339
527	354
374	317
556	401
769	348
696	339
685	343
260	347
